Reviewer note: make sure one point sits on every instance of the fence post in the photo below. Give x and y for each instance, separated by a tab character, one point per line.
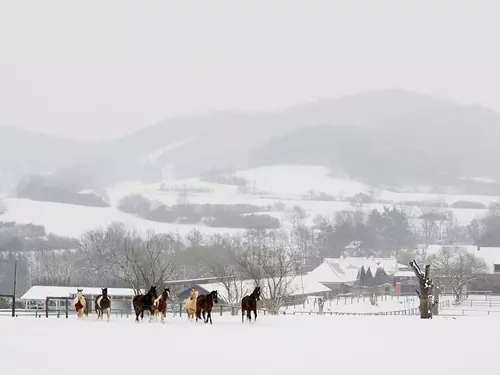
46	307
67	307
221	311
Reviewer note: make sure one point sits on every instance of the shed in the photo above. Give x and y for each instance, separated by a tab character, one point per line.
121	298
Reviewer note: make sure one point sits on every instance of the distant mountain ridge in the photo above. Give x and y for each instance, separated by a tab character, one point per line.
381	137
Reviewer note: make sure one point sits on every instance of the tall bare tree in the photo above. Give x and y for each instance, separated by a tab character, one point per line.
125	255
457	268
269	259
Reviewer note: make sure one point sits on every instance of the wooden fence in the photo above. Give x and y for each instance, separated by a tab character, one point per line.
12	298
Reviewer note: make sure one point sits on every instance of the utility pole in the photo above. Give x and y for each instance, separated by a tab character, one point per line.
14	291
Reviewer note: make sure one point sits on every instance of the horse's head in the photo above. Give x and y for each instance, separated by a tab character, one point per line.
215	296
166	293
104	292
152	292
79	292
256	293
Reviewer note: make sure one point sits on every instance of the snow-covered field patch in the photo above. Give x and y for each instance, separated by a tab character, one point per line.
273	345
73	221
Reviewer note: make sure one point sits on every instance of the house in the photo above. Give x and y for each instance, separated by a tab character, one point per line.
353	248
121	298
340	274
407	281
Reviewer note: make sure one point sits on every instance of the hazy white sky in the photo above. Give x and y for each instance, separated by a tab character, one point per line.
103	68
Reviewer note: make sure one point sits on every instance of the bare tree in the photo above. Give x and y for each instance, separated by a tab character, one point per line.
457	268
269	259
126	256
53	268
425	294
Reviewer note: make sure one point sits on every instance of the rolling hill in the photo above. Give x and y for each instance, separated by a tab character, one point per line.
385	138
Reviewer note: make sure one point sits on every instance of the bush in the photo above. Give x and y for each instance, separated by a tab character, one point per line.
37	188
29	237
225	179
233	215
468	205
251	221
135	204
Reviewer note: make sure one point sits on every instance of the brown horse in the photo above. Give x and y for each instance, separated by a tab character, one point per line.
249	304
205	303
144	302
160	304
102	302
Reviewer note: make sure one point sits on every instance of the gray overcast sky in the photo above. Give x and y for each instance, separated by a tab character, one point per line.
98	69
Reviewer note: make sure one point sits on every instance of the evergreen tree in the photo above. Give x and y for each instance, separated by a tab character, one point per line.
369	277
362	275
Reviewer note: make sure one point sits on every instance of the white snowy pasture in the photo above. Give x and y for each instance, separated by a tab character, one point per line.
291	345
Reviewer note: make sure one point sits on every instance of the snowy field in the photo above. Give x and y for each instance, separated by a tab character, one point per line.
291	345
287	184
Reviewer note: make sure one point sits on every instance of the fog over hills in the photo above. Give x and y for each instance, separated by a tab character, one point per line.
390	137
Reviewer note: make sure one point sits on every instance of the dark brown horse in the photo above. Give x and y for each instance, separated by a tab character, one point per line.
160	304
144	302
249	304
204	304
102	302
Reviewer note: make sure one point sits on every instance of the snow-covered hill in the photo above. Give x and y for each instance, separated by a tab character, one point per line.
280	187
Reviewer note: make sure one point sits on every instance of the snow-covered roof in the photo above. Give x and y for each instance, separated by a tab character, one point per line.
404	274
38	292
491	255
332	272
343	270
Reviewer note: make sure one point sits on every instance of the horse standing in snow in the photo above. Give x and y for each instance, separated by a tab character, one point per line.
160	304
80	303
249	304
102	302
191	304
205	303
144	302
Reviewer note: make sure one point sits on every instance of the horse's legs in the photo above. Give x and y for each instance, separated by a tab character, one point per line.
249	315
205	318
242	315
209	316
108	312
254	314
137	313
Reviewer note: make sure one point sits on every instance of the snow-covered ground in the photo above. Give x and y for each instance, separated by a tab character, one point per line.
477	305
360	305
286	184
291	345
70	220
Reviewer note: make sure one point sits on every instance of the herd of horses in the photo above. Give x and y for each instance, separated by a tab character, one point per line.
196	305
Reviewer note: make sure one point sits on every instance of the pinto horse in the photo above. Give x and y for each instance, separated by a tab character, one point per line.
191	304
160	304
102	302
205	303
249	304
144	302
80	304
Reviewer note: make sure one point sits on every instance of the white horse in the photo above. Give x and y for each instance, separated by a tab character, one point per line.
80	303
191	304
